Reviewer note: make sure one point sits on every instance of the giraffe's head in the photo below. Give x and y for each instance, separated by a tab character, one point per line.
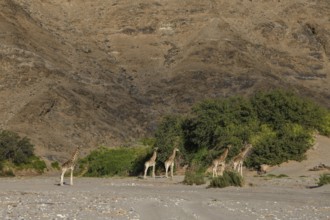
176	149
78	150
248	146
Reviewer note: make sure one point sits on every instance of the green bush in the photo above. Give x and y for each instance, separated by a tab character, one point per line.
324	179
7	173
38	164
279	125
14	148
169	135
325	126
192	177
35	163
282	176
228	178
275	147
279	107
121	161
19	152
270	176
216	123
198	160
55	165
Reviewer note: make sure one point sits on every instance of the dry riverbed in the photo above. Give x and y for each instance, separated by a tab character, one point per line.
160	198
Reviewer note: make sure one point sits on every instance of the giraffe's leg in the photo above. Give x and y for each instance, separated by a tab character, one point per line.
222	169
62	177
145	170
166	169
71	177
234	165
153	170
172	168
214	173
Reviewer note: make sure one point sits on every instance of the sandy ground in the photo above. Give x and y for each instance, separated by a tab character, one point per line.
132	198
291	197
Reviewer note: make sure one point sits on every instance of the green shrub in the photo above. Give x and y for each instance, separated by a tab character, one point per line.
148	142
193	177
35	163
55	165
199	160
121	161
169	135
324	179
38	164
19	152
289	143
282	176
7	173
280	107
279	125
270	176
228	178
216	123
14	148
325	126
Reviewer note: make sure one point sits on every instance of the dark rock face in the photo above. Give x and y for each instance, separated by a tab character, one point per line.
104	72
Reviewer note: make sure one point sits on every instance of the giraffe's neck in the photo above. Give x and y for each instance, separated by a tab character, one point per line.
154	156
75	155
241	155
173	155
245	151
224	155
238	157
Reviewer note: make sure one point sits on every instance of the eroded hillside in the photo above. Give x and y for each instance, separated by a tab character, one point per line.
104	71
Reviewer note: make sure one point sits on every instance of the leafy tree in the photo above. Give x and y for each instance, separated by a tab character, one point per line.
13	148
214	124
121	161
169	135
273	148
279	107
279	124
19	152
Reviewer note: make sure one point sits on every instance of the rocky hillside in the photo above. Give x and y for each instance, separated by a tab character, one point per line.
98	72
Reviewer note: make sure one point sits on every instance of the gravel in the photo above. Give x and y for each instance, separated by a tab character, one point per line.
160	198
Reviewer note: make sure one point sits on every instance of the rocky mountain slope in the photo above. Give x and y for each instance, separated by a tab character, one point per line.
99	72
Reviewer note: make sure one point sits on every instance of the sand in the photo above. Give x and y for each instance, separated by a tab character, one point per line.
160	198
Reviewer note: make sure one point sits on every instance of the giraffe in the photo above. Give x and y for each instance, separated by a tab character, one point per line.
149	163
220	161
70	164
170	163
239	159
